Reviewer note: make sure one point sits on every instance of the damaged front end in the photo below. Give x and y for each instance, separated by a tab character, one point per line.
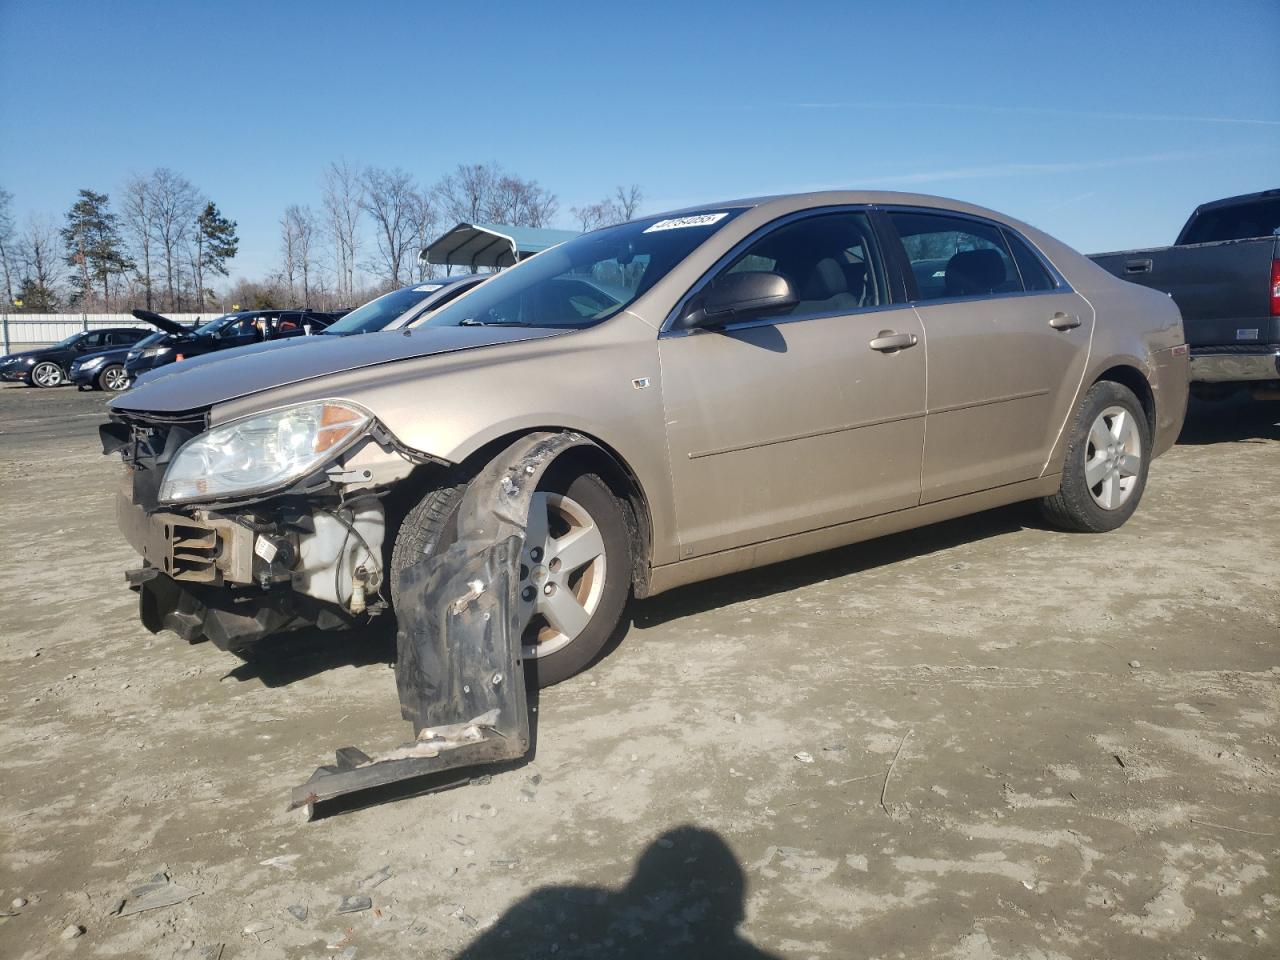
235	567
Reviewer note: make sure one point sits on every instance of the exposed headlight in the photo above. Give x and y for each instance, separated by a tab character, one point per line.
93	363
262	452
29	360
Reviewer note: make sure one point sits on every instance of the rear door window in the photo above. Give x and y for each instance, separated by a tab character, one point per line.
955	257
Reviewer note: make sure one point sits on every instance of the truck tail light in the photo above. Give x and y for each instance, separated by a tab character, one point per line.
1275	288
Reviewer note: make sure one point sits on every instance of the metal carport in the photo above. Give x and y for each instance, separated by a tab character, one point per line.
491	245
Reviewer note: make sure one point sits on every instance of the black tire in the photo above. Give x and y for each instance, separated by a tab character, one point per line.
431	526
100	381
1074	506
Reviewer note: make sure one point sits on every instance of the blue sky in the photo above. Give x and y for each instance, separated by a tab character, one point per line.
1101	122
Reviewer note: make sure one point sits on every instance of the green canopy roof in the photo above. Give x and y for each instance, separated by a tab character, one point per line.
491	245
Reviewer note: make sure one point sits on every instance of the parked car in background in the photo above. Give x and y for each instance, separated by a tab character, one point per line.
391	310
1223	272
51	366
104	370
774	377
221	333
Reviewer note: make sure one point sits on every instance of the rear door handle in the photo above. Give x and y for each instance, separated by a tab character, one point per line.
888	341
1064	321
1137	266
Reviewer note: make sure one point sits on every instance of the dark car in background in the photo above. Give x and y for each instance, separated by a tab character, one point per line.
105	370
390	311
221	333
51	366
1223	272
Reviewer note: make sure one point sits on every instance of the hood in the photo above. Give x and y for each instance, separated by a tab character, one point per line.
110	352
219	356
25	354
207	384
164	323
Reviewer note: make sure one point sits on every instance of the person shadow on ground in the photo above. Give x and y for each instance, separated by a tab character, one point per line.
684	901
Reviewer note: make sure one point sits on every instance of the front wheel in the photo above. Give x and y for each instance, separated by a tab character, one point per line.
1108	453
47	375
113	378
575	567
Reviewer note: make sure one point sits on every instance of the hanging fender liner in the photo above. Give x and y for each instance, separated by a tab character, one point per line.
459	670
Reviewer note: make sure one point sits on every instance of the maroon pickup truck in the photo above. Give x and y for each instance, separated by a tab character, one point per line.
1224	274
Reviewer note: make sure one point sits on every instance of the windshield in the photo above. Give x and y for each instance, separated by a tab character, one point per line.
585	280
376	314
213	325
150	340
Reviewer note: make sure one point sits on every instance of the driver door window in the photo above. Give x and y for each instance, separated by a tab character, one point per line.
832	262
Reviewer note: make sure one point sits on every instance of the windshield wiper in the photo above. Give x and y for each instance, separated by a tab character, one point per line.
473	322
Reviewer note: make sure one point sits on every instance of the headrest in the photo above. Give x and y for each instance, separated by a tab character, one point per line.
972	272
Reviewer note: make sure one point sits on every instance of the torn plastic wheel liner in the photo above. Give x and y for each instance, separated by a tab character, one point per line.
459	670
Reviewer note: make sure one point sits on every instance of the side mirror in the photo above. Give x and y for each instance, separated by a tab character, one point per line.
736	296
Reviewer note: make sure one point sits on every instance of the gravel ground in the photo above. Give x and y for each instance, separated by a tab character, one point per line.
981	740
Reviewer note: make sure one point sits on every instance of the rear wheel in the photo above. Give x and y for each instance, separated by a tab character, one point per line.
575	568
113	377
47	375
1108	454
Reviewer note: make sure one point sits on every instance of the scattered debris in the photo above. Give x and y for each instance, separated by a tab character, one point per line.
888	773
299	912
1135	664
354	904
256	927
18	903
159	892
737	718
381	876
211	952
466	918
72	931
1116	757
804	757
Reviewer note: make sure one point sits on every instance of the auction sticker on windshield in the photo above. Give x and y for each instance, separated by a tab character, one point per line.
697	220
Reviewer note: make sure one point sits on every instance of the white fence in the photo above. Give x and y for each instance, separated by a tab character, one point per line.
26	331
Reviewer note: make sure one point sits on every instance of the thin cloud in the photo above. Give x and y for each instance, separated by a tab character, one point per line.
1034	111
999	170
1071	201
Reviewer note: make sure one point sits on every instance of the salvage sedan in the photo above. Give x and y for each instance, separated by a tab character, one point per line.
709	390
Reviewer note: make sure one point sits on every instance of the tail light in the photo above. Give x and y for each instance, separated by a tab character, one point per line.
1275	288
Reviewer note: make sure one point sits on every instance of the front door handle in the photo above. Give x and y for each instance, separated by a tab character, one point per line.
888	341
1064	321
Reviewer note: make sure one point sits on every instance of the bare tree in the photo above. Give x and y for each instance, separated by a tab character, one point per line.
38	254
464	194
289	248
304	227
342	195
627	200
389	199
521	203
8	248
618	208
175	203
138	214
424	218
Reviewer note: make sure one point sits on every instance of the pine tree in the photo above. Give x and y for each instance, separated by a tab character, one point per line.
216	243
94	248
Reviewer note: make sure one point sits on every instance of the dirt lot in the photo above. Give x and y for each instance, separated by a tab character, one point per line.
1085	733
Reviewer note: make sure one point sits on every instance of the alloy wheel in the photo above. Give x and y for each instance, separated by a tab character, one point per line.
115	378
1113	458
46	375
562	571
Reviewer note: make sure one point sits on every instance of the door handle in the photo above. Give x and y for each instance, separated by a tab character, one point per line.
1137	266
888	341
1064	321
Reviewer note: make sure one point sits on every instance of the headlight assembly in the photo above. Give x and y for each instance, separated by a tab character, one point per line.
262	452
155	351
93	363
